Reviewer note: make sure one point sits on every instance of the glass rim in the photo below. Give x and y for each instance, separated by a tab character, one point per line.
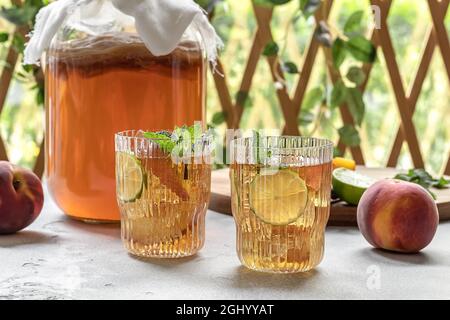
132	134
240	143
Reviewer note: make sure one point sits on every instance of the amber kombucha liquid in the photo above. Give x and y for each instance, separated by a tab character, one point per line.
97	87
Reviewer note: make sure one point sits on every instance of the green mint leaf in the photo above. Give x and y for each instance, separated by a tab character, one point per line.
163	141
424	179
403	176
442	183
176	140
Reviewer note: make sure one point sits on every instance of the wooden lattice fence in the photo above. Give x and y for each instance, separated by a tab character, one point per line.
406	99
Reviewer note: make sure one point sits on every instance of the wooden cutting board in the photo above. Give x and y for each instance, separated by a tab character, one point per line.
341	214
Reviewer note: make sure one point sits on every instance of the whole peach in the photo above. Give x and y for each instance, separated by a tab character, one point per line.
21	198
397	215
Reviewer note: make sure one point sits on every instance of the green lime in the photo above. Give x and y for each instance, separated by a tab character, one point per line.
350	185
130	179
278	198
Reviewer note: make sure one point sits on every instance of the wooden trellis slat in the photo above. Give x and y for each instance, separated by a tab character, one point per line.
263	18
438	15
413	96
7	75
5	81
407	124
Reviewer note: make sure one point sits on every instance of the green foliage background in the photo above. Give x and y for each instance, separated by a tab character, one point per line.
22	119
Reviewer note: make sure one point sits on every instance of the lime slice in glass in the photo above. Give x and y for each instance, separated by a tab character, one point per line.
130	179
278	198
349	185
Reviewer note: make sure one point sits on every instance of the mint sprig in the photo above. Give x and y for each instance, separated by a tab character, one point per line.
424	179
163	141
177	139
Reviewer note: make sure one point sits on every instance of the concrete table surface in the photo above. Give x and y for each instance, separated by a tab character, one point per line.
57	258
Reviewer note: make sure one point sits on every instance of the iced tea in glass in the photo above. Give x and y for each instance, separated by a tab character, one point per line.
281	201
163	195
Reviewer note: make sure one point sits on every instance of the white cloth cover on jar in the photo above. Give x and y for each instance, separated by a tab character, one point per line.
160	24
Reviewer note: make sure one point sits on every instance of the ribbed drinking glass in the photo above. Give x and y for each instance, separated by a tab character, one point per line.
281	201
162	200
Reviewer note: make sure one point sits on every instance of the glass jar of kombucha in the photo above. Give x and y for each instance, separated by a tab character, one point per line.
102	79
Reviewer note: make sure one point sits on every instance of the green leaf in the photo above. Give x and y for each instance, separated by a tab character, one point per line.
356	75
218	118
19	15
290	67
306	117
442	183
323	34
403	176
271	49
313	98
356	105
350	136
421	175
353	22
18	43
177	139
338	94
40	96
241	98
4	36
361	49
208	5
424	179
309	7
337	152
264	3
278	2
339	52
165	142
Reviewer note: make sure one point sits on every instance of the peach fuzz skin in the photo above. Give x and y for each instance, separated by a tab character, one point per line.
398	216
21	198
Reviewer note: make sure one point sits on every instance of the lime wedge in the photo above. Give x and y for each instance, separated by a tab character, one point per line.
278	198
349	185
130	179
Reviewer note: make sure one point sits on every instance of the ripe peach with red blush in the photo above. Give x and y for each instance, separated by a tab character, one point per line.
397	215
21	198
